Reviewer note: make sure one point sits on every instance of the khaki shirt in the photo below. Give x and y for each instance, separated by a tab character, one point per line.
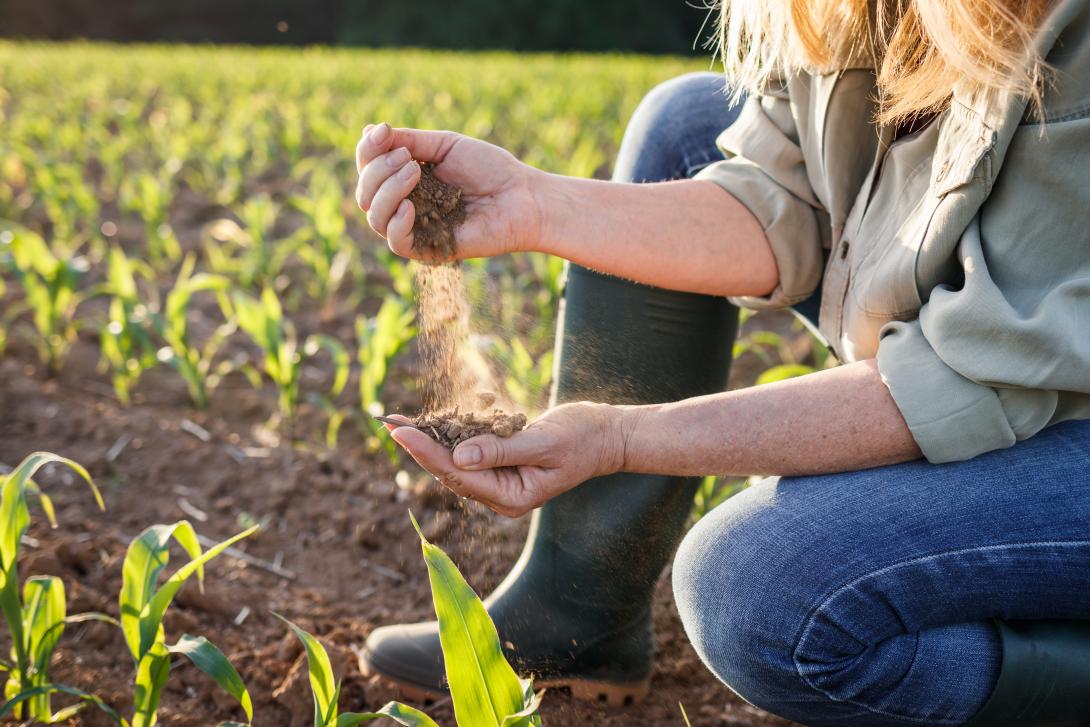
959	255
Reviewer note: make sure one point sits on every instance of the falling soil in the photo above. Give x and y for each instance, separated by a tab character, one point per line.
458	382
439	210
451	428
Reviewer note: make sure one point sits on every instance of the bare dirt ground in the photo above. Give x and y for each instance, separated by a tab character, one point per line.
336	523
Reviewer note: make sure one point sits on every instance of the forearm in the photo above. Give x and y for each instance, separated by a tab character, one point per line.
831	421
686	235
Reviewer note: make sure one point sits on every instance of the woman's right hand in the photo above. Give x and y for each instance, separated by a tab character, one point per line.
501	193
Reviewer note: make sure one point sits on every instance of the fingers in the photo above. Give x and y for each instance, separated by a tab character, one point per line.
377	171
436	459
401	420
390	196
425	146
374	141
488	451
399	232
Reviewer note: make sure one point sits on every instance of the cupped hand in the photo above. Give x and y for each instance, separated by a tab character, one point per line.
567	445
502	211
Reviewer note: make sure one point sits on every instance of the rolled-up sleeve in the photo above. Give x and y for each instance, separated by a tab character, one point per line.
1000	358
765	170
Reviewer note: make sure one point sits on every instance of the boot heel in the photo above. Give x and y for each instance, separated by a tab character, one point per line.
609	693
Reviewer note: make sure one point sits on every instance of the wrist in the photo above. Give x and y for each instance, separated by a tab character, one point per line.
628	423
553	201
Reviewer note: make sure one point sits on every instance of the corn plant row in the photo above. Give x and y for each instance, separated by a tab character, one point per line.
485	690
264	139
142	329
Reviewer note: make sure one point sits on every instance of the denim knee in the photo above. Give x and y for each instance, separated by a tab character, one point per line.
729	583
672	132
795	594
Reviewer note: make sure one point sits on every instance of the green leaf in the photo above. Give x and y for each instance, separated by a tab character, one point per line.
43	622
398	712
21	697
209	659
323	685
483	686
337	352
152	672
783	372
44	612
14	516
151	618
145	559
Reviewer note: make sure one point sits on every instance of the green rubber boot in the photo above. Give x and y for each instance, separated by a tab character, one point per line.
575	611
1044	680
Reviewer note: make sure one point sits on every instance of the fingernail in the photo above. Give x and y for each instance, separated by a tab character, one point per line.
407	171
467	455
402	209
397	157
380	133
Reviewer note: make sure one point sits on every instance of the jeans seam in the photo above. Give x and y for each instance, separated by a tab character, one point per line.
808	623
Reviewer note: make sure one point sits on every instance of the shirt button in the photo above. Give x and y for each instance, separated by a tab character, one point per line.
844	249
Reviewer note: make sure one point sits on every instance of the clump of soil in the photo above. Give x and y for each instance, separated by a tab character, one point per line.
452	427
439	210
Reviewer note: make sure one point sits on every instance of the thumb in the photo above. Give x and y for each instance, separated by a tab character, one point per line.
487	450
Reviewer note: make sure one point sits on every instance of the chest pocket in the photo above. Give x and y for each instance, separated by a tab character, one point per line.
923	185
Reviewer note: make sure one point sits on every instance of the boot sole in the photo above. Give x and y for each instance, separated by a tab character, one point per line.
612	694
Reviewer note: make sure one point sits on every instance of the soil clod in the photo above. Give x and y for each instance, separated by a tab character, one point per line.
439	210
452	427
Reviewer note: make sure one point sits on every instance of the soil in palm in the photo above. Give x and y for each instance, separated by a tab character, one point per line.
439	210
452	427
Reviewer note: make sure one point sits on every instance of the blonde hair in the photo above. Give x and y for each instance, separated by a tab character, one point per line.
920	49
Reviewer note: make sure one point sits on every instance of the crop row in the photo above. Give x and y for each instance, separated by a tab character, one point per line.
198	214
484	688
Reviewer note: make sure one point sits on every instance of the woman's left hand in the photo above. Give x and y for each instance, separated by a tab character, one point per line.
557	451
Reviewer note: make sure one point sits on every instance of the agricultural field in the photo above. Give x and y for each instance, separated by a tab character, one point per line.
192	308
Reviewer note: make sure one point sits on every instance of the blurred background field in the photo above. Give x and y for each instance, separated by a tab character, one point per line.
191	305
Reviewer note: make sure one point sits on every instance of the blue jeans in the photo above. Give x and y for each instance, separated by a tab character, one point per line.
868	598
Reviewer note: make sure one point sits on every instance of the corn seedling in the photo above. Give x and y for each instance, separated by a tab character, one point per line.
50	290
148	197
401	275
67	197
248	254
484	688
127	348
528	378
192	361
323	246
326	690
378	341
36	620
263	320
144	604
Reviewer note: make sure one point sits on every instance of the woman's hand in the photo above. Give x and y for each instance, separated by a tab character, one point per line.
564	447
502	209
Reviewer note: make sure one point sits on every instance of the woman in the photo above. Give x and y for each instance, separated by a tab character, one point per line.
914	181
